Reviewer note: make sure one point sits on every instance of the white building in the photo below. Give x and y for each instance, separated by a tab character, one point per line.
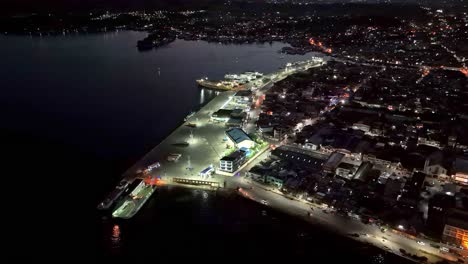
232	162
239	138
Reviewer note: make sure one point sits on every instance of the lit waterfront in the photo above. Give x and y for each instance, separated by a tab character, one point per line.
176	214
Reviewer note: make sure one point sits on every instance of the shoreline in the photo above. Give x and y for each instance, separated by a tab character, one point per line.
291	49
312	222
369	234
323	224
130	172
195	109
200	140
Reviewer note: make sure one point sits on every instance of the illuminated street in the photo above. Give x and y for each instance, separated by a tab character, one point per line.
344	225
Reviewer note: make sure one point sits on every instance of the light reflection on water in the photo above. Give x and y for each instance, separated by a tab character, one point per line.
202	96
115	238
206	95
206	216
110	83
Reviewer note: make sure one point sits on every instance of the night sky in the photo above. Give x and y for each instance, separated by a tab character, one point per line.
21	6
26	6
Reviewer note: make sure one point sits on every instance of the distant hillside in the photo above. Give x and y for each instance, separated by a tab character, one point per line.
26	6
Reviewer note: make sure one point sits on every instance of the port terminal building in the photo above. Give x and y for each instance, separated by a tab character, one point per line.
239	138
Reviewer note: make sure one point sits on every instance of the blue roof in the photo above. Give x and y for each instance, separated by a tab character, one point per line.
237	135
207	169
245	149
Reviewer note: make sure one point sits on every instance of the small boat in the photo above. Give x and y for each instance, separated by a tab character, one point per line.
189	116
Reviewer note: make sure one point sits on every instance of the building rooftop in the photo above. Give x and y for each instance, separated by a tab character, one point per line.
234	121
334	159
237	135
234	155
298	157
345	165
222	113
244	93
363	172
436	158
461	164
458	218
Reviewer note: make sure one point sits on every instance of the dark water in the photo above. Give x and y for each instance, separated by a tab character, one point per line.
97	99
98	95
179	223
76	111
101	88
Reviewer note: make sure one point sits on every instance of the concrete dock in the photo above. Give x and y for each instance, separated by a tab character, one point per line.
204	137
205	145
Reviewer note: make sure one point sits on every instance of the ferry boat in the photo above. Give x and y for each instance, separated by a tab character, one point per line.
220	86
114	195
243	77
135	201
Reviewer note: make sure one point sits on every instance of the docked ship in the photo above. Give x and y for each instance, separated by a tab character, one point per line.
221	85
243	77
134	201
114	195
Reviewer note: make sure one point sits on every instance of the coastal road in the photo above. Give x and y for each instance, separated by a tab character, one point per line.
370	233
